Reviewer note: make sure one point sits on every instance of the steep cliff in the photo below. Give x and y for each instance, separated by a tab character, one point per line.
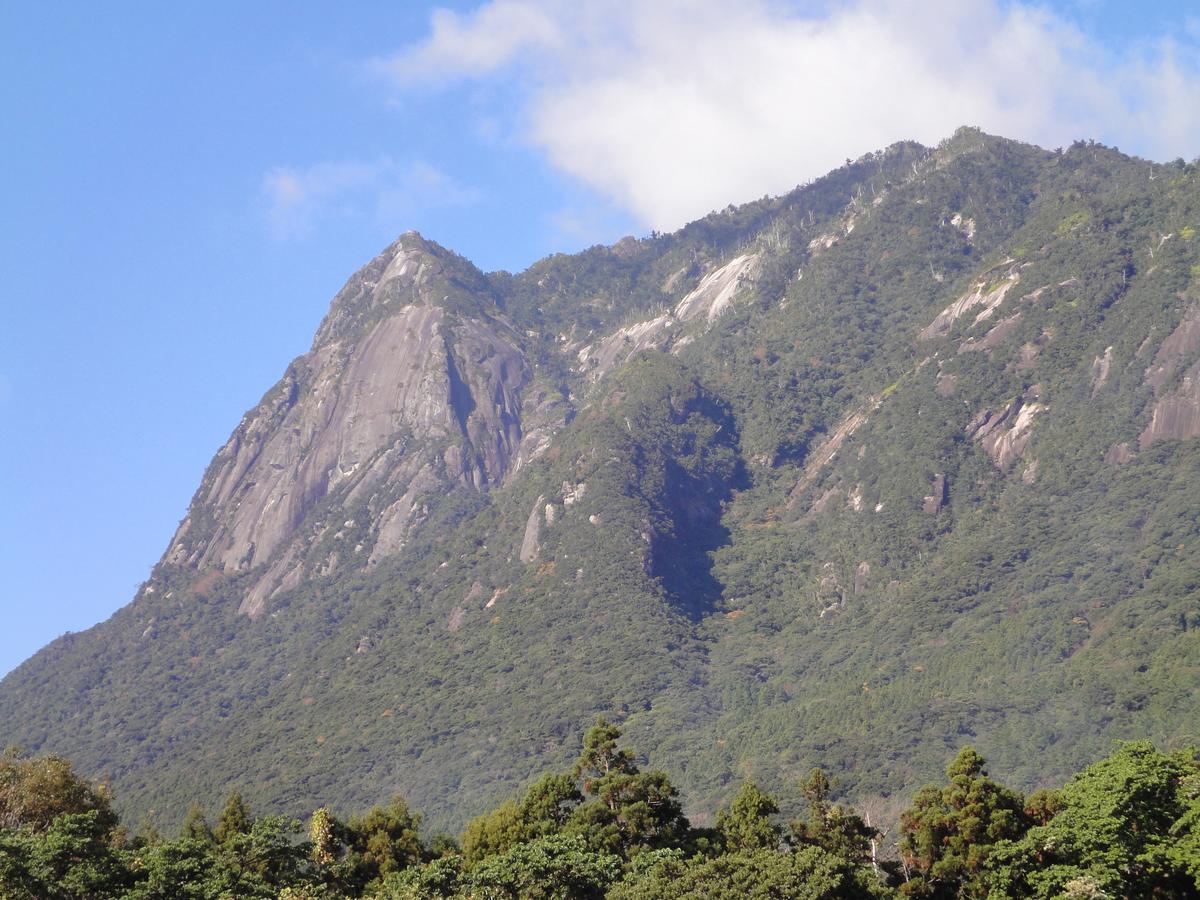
415	383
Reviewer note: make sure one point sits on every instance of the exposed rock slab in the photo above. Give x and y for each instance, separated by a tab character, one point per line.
399	397
530	543
1101	366
1176	351
932	503
1176	416
717	289
624	343
1004	433
994	337
980	296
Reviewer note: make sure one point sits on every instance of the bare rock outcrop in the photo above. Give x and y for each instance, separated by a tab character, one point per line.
1101	366
1119	454
415	381
717	289
989	297
828	449
622	344
862	578
1003	433
1175	415
994	337
933	502
531	542
1175	352
965	225
711	297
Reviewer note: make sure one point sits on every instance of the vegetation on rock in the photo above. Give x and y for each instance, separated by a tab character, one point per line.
927	479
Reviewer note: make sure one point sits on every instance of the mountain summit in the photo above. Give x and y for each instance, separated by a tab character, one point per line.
904	459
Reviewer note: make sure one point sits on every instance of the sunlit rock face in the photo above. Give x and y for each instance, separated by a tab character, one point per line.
402	394
1176	412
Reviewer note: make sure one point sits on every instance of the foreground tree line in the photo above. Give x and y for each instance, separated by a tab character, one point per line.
1127	826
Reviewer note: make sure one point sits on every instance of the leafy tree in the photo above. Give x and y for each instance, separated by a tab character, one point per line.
147	835
195	826
71	858
34	791
264	858
320	836
184	869
16	852
809	873
1043	805
436	879
383	840
543	810
601	756
493	832
559	867
443	845
1181	855
1127	827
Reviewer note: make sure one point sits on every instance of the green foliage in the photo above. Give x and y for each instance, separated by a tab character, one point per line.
747	824
384	840
829	825
544	810
949	831
71	857
627	811
195	826
744	599
436	879
1127	827
235	819
806	874
35	791
560	867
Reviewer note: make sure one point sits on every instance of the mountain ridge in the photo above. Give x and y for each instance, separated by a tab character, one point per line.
894	461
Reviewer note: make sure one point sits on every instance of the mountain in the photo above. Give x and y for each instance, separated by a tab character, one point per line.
902	460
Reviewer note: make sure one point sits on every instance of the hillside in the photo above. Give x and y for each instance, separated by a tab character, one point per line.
902	460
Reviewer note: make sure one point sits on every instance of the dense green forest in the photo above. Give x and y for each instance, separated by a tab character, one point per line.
1127	826
926	479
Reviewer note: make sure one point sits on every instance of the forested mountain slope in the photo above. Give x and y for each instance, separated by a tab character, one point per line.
905	459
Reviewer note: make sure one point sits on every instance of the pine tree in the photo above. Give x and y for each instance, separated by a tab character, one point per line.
949	832
235	819
195	826
746	824
629	810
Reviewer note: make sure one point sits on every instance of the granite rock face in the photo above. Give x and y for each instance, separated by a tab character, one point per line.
1176	413
1003	433
403	393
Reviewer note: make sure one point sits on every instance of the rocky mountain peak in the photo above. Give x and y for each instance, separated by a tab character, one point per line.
410	271
414	383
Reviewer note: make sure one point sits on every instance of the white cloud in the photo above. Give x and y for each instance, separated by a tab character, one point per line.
677	107
296	199
477	44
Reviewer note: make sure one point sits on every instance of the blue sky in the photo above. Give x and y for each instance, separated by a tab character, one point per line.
185	186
